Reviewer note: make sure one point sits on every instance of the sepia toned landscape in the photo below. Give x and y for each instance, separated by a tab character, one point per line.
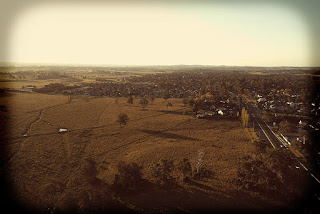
160	139
159	107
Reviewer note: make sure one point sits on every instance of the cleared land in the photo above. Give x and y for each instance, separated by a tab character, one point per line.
46	167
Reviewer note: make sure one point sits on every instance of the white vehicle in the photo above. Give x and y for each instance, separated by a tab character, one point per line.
63	130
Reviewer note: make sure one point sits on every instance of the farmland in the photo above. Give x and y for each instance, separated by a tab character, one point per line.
46	167
76	169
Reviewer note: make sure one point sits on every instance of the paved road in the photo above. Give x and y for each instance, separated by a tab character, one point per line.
261	127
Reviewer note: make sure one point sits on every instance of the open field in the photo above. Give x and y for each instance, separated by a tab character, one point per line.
45	168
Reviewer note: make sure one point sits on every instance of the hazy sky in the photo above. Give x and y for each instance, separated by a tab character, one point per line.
160	34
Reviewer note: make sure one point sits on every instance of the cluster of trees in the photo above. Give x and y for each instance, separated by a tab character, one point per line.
268	174
56	88
51	75
165	173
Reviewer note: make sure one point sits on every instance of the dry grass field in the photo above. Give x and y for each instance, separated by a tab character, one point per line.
46	167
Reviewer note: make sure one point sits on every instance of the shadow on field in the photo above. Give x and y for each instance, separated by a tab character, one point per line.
200	185
220	118
167	135
194	197
171	112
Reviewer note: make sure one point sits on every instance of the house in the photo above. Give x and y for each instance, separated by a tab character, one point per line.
29	87
261	100
200	115
302	123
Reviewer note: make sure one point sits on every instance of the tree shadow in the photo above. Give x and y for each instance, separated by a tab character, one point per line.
183	199
200	185
170	112
168	135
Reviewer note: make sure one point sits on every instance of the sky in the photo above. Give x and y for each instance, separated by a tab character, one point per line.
160	34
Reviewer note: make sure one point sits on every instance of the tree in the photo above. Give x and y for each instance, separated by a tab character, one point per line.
144	102
199	161
122	119
169	104
129	177
185	168
245	117
162	172
130	100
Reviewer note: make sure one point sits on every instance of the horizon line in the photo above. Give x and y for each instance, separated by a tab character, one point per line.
29	64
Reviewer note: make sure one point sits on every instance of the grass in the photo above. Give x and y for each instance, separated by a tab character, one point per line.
45	167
